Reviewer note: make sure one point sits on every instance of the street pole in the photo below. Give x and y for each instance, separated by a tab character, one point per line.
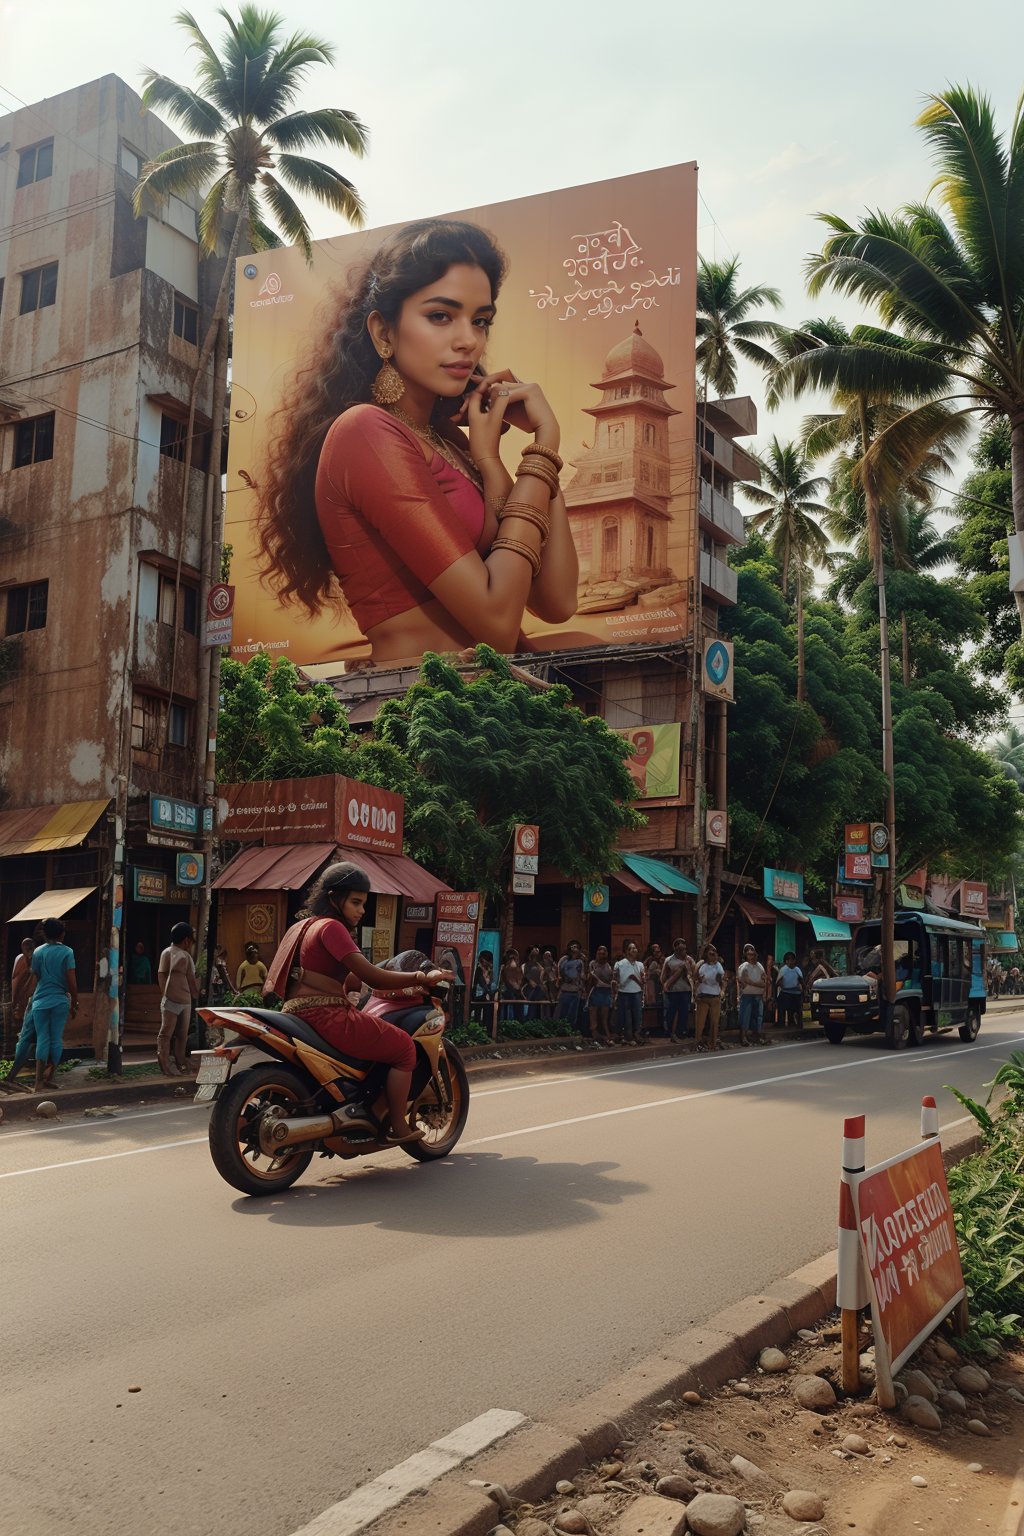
888	768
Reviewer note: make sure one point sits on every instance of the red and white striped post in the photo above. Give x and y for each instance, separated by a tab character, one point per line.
851	1285
929	1118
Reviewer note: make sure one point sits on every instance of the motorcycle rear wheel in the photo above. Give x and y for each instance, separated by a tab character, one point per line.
234	1141
442	1128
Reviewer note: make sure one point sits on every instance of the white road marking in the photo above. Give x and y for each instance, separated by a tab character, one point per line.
554	1125
640	1066
93	1124
414	1475
105	1157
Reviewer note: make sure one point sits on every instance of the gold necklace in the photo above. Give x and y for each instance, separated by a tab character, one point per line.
451	455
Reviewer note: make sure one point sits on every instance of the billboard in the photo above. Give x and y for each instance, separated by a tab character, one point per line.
654	765
326	808
598	309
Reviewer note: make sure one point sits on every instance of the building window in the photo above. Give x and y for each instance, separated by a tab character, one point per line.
33	440
151	718
157	599
172	438
186	320
132	161
645	472
190	610
39	288
36	163
650	434
612	473
26	608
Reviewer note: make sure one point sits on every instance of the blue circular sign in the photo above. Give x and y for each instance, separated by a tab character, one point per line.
716	662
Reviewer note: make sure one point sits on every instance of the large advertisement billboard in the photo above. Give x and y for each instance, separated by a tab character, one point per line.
598	309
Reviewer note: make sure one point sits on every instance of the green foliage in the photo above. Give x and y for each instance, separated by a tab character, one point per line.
987	1194
534	1029
470	1033
475	756
985	516
270	728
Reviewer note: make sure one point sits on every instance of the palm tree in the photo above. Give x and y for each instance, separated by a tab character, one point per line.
1007	751
789	516
725	327
954	286
242	112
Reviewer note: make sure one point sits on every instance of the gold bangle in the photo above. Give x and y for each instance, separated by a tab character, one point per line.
545	453
535	519
517	548
541	471
539	516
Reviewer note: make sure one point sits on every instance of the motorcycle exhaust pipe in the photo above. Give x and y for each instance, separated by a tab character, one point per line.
276	1134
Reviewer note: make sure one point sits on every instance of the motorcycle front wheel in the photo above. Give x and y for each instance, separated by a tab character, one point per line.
234	1131
441	1126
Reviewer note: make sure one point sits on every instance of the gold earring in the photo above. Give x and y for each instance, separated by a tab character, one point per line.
388	387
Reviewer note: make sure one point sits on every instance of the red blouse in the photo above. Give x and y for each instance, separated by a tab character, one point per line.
392	522
325	948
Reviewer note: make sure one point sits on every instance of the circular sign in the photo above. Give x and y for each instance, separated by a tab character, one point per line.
220	600
716	824
596	898
717	662
879	837
527	839
249	270
188	870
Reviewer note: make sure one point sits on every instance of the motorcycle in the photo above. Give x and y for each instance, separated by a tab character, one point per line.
271	1116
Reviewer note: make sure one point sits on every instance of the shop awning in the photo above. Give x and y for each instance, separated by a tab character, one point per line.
286	867
52	904
797	909
661	877
756	912
627	878
393	874
1005	942
45	828
829	930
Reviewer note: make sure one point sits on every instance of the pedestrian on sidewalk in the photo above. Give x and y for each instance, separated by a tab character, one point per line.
252	973
710	986
751	978
770	986
179	988
220	976
21	1009
790	993
599	1000
677	988
140	972
533	983
510	986
570	986
628	979
654	998
54	996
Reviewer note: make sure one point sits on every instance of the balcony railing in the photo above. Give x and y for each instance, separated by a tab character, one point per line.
717	579
718	511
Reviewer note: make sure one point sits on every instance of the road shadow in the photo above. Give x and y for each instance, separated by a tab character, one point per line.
470	1194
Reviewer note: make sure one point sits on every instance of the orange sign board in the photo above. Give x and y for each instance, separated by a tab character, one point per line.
327	808
527	838
456	922
909	1247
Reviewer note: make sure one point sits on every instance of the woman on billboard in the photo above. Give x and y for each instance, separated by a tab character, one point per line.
385	489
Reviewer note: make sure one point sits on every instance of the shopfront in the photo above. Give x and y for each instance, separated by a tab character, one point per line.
784	922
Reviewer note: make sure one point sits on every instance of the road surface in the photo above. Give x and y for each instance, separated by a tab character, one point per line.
290	1350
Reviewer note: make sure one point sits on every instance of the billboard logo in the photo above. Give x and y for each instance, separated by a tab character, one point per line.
270	293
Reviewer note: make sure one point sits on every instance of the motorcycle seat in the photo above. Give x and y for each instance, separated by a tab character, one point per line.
298	1029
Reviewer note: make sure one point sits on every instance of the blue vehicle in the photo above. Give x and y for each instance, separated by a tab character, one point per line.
940	983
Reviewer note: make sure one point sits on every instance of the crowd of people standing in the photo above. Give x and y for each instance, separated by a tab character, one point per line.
623	1001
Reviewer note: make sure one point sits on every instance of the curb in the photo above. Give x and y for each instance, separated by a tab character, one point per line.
526	1466
129	1094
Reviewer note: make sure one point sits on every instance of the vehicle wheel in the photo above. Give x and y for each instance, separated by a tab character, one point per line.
915	1034
442	1127
834	1032
969	1028
897	1031
234	1140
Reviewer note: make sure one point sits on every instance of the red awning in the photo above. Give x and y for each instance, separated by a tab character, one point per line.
632	882
286	867
393	874
756	912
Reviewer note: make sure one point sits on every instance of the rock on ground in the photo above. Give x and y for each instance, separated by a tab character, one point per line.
922	1413
971	1378
814	1392
773	1360
920	1385
715	1514
800	1504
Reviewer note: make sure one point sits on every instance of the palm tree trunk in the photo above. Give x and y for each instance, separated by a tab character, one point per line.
1017	491
888	764
906	648
800	673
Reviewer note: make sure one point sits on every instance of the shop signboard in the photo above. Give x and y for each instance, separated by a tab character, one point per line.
850	909
327	808
783	885
419	912
154	885
525	863
654	765
596	898
909	1249
189	868
718	669
973	898
220	605
524	885
843	876
879	837
526	838
857	837
857	866
455	929
717	829
261	922
182	818
600	288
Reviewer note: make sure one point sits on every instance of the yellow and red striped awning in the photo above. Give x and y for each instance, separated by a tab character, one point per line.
44	828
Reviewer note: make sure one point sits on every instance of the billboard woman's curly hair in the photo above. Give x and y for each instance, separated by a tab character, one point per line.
293	558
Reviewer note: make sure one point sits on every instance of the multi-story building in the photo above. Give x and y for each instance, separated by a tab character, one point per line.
101	317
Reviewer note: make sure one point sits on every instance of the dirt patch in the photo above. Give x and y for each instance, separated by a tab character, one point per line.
866	1484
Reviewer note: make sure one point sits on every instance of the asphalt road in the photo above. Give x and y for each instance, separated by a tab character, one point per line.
289	1350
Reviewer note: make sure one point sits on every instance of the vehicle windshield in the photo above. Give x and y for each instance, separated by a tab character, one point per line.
869	959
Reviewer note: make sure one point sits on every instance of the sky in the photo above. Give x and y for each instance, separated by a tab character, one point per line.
788	108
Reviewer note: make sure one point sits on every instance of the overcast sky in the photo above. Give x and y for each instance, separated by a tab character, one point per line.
788	108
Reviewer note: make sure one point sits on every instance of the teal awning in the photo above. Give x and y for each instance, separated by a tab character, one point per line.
1006	942
829	930
661	877
800	907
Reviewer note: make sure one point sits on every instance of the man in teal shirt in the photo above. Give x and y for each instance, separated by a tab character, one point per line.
54	996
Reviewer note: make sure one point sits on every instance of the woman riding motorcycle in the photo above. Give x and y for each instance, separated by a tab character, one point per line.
310	972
